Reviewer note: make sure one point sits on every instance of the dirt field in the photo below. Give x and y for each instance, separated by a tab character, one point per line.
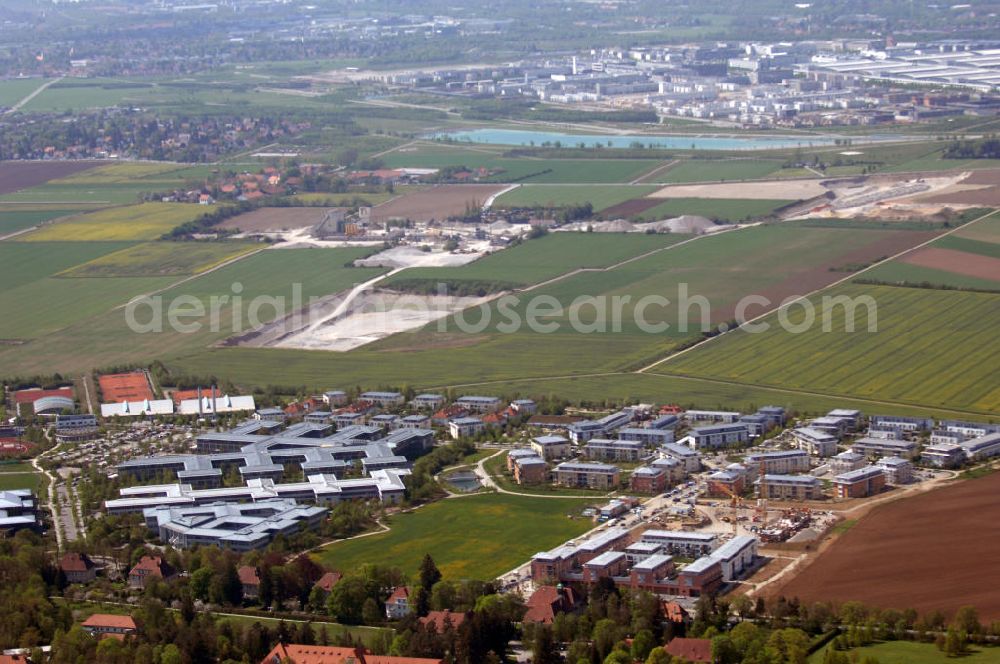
276	219
125	387
630	208
934	551
977	188
791	190
436	203
958	262
17	175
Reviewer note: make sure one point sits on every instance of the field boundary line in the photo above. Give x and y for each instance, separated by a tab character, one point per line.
816	291
656	171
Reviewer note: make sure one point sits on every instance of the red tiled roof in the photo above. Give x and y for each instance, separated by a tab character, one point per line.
693	650
545	602
302	654
674	612
107	620
328	581
75	562
152	566
439	620
14	659
400	592
248	576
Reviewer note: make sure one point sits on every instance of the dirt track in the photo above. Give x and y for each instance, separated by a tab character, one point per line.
17	175
937	550
276	219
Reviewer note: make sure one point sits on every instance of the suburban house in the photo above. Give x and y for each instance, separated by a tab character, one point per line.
78	568
327	582
103	624
442	621
398	604
150	567
250	580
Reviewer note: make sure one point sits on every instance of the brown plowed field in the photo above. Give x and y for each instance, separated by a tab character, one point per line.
631	208
958	262
18	175
439	202
276	219
985	176
937	550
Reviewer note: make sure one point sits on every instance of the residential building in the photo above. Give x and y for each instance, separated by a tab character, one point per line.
466	427
335	398
984	447
607	565
851	416
907	424
613	450
638	551
675	470
383	399
784	462
612	509
442	621
970	429
682	542
105	624
250	581
859	483
815	442
293	653
270	414
530	470
726	483
649	479
398	605
648	436
150	567
78	568
775	415
551	447
736	556
689	458
878	447
589	475
581	432
326	582
695	651
835	426
717	436
945	437
756	424
846	462
414	422
897	470
427	401
524	407
943	455
788	487
479	404
666	421
695	416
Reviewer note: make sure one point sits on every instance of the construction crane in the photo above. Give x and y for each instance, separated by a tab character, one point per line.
735	503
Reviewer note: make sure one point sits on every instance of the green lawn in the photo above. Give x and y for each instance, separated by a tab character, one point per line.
912	652
538	260
600	196
497	468
931	348
476	537
10	481
722	209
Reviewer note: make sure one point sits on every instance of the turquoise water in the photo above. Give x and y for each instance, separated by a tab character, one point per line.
525	137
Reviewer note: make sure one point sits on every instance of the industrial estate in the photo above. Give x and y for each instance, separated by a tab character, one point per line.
561	332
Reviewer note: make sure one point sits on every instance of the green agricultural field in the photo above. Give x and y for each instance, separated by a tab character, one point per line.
709	170
600	196
162	259
10	481
14	90
17	220
775	261
968	245
22	263
722	209
899	272
475	537
146	221
931	348
911	652
535	261
103	330
987	230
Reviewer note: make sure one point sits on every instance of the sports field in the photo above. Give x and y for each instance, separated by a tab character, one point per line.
161	259
931	347
474	537
146	221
